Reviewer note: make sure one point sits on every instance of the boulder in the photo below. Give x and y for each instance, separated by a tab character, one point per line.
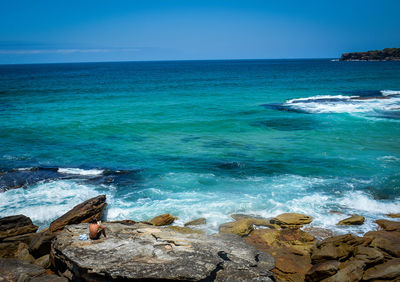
389	270
351	271
352	220
335	248
322	270
43	261
84	212
291	220
16	270
388	225
144	252
387	241
197	221
41	244
368	255
164	219
290	249
23	253
16	225
242	227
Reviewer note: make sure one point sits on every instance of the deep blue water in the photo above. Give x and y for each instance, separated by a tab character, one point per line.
202	138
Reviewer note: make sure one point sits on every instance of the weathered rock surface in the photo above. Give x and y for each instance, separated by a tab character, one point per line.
84	212
43	261
41	244
197	221
241	227
164	219
16	225
255	220
24	238
322	270
141	251
386	271
388	225
352	220
394	215
290	249
386	241
291	220
12	270
185	230
318	232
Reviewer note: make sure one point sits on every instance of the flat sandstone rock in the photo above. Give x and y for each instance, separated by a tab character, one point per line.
141	251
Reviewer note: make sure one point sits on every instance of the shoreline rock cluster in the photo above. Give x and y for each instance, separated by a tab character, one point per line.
387	54
249	248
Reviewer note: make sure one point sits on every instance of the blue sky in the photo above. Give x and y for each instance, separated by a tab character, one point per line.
104	30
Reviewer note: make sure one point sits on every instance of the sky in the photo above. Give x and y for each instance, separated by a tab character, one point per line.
49	31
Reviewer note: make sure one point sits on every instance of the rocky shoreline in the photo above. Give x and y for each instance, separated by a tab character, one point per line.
284	248
387	54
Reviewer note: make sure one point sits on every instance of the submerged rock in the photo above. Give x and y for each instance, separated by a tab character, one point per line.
141	251
394	215
353	220
16	225
197	221
84	212
164	219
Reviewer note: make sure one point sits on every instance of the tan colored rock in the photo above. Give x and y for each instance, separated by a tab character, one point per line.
242	227
394	215
255	220
11	226
335	248
164	219
388	241
23	253
291	220
24	238
43	261
318	232
350	271
84	212
8	250
197	221
125	221
185	230
388	225
389	270
352	220
368	255
322	270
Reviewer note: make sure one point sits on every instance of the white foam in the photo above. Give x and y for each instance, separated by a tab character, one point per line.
342	104
390	92
79	171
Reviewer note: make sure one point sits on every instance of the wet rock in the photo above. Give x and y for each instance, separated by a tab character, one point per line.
164	219
335	248
16	225
185	230
41	244
318	232
394	215
388	225
141	251
351	271
322	270
43	261
353	220
197	221
255	220
387	241
84	212
15	270
389	270
242	227
291	220
368	255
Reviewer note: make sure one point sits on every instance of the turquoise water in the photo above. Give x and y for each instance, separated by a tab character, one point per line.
202	138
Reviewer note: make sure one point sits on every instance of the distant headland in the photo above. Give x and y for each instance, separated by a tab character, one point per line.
387	54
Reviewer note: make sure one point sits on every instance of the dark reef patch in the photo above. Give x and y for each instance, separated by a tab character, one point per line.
286	124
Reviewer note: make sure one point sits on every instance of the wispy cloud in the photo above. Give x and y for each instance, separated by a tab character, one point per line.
65	51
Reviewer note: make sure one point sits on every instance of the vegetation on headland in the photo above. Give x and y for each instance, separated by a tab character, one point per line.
387	54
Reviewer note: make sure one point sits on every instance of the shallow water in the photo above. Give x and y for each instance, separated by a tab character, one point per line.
203	138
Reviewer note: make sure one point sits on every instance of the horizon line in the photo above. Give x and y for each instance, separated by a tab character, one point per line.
171	60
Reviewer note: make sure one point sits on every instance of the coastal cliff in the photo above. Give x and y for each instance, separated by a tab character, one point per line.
387	54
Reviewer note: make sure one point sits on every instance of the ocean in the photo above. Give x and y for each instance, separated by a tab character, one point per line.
202	139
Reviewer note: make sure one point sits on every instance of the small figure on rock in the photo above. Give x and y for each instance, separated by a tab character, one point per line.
95	230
